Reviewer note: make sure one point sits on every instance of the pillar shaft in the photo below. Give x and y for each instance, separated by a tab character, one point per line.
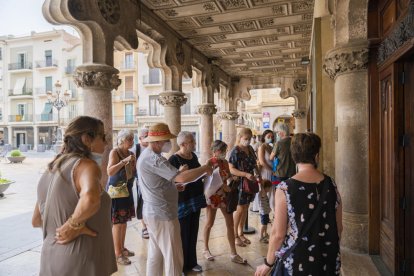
98	81
10	135
348	66
300	121
172	102
35	137
229	127
206	130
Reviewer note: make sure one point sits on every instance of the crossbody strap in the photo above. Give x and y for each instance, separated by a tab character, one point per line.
313	218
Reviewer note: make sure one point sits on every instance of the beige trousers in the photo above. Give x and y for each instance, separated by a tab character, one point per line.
165	247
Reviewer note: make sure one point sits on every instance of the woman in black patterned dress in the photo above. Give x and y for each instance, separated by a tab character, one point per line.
318	251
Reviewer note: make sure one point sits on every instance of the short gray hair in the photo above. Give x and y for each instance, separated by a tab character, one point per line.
182	136
283	127
123	134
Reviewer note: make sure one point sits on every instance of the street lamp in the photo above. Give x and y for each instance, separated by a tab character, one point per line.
58	101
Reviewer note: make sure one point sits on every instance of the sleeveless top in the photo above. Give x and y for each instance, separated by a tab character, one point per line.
318	253
266	173
85	255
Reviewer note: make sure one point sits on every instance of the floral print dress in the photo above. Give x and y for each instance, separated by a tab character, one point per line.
318	252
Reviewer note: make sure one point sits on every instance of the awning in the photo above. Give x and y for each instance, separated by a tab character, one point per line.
18	86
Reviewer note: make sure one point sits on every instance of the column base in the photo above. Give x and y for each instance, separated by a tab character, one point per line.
355	232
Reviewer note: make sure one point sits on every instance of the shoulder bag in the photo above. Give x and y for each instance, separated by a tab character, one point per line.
249	186
278	267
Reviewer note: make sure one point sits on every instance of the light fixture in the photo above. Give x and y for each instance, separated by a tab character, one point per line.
304	61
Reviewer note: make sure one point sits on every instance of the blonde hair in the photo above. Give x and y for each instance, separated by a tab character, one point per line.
244	131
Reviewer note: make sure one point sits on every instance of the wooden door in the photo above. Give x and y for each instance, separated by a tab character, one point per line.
387	169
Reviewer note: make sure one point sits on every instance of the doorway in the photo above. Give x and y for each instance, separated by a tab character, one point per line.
20	138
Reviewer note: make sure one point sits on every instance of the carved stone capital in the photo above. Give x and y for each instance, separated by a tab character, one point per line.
99	76
207	109
172	99
228	115
299	85
346	60
299	114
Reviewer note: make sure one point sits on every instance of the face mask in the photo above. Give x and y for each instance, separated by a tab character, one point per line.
245	143
268	140
166	147
97	157
277	137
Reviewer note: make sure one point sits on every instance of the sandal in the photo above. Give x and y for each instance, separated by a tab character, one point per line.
122	260
127	253
264	240
207	255
144	233
239	242
244	239
237	259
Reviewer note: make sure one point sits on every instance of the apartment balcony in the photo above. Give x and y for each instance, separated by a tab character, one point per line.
46	118
124	121
21	118
24	93
23	67
46	64
41	91
127	96
149	80
127	66
69	70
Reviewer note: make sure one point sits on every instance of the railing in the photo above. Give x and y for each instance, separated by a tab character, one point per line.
70	69
46	63
147	80
129	95
127	66
123	120
49	117
20	66
21	118
41	91
25	92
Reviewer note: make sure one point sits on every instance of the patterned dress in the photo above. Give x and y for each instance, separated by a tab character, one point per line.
318	252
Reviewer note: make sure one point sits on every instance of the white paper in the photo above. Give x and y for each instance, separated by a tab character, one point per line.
212	183
185	183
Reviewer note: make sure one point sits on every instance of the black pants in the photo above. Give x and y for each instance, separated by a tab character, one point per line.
189	232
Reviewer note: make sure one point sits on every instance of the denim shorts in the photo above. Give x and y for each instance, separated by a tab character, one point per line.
264	219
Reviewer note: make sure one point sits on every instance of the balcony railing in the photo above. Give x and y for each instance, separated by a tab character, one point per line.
20	66
21	118
127	66
25	92
146	79
124	120
70	69
49	117
46	63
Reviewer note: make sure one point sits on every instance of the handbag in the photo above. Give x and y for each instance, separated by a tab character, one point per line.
118	191
232	197
278	267
250	187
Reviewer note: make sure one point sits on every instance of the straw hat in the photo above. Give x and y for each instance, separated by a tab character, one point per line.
159	132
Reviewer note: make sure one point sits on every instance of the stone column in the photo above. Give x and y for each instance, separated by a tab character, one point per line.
348	67
206	130
228	119
10	135
300	120
35	137
97	82
172	102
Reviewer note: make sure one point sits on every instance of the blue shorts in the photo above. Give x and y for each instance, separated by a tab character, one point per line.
264	219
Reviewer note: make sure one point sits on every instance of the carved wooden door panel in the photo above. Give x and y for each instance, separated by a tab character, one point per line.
387	155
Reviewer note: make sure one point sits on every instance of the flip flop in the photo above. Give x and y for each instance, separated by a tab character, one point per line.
207	255
237	259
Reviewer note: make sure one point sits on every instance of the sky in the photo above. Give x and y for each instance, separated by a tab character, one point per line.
21	17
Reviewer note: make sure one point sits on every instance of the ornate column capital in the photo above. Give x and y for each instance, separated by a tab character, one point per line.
299	114
98	76
172	99
228	115
207	109
346	60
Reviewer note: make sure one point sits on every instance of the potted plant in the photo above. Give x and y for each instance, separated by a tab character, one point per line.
16	156
4	184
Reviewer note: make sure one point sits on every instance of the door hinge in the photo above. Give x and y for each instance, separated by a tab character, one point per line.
403	203
405	140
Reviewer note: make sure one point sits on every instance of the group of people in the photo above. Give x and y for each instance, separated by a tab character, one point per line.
81	238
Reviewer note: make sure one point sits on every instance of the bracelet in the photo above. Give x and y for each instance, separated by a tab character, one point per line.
75	225
266	263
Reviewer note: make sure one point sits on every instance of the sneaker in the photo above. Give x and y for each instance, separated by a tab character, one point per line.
197	268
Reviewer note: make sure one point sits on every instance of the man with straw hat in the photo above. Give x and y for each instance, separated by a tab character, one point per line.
157	179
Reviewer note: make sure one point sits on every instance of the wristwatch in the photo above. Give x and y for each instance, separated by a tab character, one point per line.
266	263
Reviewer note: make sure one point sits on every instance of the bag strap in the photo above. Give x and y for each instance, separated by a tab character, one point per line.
313	218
